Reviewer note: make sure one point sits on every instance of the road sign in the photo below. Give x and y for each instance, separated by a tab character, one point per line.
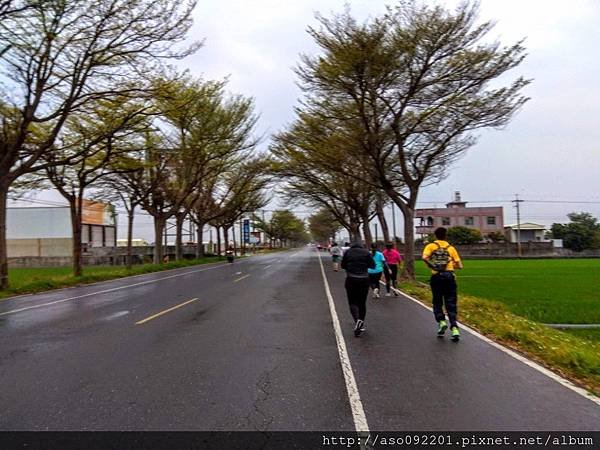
246	230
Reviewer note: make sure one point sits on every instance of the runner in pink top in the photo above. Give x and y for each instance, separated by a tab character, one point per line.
393	259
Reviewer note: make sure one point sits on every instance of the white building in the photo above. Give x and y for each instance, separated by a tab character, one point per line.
528	231
47	231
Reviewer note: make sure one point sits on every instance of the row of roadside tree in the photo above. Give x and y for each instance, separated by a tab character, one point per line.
388	105
90	107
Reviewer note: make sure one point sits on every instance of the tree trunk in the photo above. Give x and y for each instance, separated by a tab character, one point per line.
130	217
199	239
226	237
218	229
409	240
75	207
159	226
235	247
354	233
367	233
383	222
408	213
179	219
3	246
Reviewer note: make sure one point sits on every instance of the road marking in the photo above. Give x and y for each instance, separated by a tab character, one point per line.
241	278
238	273
566	383
358	412
148	319
266	267
141	283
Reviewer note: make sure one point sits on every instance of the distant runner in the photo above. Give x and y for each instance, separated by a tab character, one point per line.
356	262
393	260
442	258
230	254
345	247
375	273
336	256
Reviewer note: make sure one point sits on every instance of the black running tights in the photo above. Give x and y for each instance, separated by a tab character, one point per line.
357	290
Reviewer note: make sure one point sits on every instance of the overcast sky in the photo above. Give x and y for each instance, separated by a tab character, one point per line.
551	149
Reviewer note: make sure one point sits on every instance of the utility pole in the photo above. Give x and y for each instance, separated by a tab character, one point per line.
242	250
263	231
375	232
517	203
115	218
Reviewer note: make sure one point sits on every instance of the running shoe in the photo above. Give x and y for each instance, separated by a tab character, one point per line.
359	327
396	294
376	293
442	327
387	294
455	334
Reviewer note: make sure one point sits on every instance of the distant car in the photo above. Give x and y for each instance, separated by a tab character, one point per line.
319	247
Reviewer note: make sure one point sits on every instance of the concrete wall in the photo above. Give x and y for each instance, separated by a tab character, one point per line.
499	250
95	256
40	248
33	261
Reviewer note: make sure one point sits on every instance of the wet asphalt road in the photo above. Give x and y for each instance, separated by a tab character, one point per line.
254	349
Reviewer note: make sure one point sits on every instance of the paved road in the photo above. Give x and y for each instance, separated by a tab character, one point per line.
252	347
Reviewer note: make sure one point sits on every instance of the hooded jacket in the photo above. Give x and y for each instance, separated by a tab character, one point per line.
357	261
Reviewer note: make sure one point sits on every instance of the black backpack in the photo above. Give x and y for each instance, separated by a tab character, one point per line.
439	258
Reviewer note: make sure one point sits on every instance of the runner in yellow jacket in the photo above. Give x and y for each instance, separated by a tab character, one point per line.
443	259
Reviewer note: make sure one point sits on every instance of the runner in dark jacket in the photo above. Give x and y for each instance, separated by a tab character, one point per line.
356	262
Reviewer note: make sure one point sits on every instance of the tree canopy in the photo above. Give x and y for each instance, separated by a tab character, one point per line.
581	233
407	91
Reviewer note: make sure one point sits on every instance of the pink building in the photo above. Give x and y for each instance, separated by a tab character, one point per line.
456	213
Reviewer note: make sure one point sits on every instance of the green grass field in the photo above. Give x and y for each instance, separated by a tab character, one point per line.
29	280
543	290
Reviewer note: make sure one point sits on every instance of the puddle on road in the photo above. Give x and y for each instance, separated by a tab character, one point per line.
116	315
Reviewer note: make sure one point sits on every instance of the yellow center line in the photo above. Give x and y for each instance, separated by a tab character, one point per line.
241	278
147	319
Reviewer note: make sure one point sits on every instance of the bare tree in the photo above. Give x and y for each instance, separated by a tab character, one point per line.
311	159
322	225
200	131
94	142
119	187
418	83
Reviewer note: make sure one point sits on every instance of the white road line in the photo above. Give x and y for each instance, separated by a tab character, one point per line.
14	311
358	412
241	278
266	267
563	381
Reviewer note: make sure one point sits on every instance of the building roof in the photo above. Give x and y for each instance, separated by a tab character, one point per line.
527	226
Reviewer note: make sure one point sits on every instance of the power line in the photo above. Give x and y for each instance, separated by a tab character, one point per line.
564	201
524	200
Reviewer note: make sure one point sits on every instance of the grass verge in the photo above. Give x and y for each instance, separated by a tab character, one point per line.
542	290
32	280
572	356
